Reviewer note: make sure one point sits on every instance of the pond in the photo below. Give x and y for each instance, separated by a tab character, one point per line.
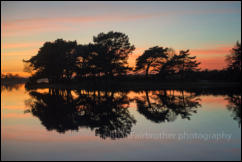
76	124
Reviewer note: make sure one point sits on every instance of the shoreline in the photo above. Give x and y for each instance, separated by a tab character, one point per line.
145	85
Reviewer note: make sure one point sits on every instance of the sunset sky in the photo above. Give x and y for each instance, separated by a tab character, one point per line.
208	29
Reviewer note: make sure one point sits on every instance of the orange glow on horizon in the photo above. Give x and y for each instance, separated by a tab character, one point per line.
212	63
21	74
205	56
215	51
20	45
210	58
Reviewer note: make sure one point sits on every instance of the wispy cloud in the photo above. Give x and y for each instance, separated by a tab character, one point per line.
212	58
33	25
224	50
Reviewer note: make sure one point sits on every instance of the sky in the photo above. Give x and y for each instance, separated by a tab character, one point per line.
209	29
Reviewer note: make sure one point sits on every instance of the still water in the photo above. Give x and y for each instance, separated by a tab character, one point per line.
54	124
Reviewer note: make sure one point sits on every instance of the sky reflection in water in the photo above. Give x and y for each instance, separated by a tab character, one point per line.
103	125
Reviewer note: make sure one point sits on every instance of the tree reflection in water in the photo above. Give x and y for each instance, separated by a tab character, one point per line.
10	87
166	107
104	112
235	106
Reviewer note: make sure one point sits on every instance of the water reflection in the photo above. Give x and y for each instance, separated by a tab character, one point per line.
107	114
104	112
166	107
235	106
10	87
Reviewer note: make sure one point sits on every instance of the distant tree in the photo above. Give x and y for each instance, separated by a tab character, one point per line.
3	76
153	57
54	61
234	58
112	50
10	76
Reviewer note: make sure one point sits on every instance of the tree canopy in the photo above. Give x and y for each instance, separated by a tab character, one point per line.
112	50
107	57
234	58
180	64
153	57
53	60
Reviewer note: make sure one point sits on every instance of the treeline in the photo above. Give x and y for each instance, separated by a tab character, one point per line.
10	78
107	56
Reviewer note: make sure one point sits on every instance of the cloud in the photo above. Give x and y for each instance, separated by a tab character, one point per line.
212	58
218	51
36	25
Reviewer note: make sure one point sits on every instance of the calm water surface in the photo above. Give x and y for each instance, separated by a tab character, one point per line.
53	124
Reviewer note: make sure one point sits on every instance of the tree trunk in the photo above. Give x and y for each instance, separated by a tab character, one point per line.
147	70
147	98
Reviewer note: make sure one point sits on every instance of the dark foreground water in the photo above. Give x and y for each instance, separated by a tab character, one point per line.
53	124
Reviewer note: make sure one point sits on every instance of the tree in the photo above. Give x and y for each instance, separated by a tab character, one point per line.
168	67
153	57
234	58
54	61
112	50
83	60
180	64
184	64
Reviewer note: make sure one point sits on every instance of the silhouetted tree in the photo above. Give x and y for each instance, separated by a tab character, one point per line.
84	65
180	64
53	61
112	50
234	59
168	68
153	57
186	63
